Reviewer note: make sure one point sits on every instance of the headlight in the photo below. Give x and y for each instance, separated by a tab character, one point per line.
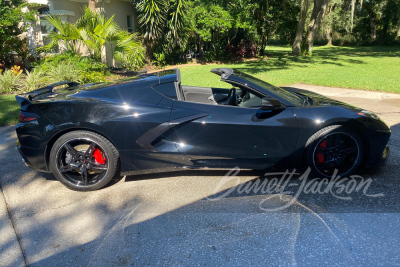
369	114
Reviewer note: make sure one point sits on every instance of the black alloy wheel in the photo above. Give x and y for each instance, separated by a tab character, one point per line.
83	161
334	150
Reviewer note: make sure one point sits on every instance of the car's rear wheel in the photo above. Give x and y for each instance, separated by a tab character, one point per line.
334	151
83	161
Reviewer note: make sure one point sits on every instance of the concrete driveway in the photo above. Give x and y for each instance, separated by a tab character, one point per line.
181	218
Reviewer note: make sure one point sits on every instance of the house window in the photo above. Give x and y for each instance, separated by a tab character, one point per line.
46	27
44	11
130	24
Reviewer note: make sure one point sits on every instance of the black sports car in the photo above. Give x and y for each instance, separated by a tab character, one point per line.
87	134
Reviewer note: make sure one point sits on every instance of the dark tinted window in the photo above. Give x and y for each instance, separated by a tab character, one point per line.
290	97
167	89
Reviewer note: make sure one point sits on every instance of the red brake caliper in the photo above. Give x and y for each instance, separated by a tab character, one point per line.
321	156
99	157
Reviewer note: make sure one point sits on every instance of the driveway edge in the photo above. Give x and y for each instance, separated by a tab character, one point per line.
11	251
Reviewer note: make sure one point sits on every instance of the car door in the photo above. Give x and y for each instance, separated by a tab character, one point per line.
228	136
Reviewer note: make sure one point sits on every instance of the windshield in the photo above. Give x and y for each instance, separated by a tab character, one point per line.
292	98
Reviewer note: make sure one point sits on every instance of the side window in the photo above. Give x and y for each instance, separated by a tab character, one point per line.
167	89
249	100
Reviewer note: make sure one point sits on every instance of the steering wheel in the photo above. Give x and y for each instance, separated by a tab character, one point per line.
232	99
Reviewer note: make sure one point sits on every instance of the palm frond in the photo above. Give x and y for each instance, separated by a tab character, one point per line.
152	16
178	11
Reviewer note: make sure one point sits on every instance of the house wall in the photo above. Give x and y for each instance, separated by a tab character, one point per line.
75	7
120	10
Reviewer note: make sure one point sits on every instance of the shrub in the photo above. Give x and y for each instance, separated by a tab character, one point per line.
81	63
159	59
83	69
92	77
16	70
33	80
240	51
9	82
133	61
208	56
251	49
346	40
64	72
320	40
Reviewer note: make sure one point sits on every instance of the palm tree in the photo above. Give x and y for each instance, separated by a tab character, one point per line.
95	32
67	35
162	19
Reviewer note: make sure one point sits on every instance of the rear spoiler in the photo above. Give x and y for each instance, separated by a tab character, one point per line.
48	89
26	99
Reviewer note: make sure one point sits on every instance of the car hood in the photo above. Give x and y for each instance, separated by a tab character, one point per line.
318	100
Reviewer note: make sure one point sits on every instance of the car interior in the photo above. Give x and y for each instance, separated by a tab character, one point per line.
236	96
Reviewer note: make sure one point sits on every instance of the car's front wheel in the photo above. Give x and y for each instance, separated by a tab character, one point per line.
334	151
83	160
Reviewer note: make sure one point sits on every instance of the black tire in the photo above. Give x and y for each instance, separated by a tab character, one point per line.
94	175
324	158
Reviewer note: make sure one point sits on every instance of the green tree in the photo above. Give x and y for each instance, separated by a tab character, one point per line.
337	19
377	22
13	22
273	18
212	24
248	20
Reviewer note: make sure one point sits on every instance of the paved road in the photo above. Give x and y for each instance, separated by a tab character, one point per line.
195	218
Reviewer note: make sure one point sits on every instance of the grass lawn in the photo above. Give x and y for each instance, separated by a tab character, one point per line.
9	110
374	68
370	68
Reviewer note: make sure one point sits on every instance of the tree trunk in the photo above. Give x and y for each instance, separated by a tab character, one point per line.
92	5
329	35
320	7
300	28
388	14
398	27
353	8
372	23
373	27
398	22
328	30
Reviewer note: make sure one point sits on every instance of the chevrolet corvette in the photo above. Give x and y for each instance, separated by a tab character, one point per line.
88	134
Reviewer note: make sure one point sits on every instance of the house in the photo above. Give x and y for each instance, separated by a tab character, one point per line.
71	10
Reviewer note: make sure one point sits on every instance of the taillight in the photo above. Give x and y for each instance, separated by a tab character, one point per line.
25	118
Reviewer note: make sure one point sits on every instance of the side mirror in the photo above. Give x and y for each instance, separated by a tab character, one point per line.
271	104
